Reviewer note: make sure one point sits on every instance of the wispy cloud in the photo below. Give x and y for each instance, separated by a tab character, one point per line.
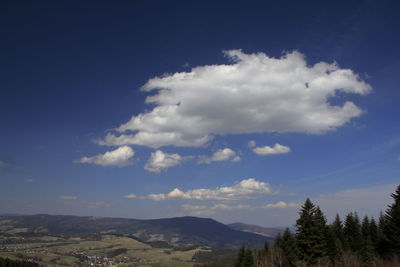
30	180
68	197
220	155
246	189
119	157
208	210
98	204
274	150
254	94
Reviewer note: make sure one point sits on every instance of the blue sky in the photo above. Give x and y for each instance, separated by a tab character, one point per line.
107	107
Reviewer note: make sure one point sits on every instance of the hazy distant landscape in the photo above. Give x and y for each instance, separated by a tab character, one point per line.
80	241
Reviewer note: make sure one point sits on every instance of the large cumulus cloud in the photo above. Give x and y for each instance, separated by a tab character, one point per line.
256	93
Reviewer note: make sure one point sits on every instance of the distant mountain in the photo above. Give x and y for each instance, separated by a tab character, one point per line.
180	231
270	232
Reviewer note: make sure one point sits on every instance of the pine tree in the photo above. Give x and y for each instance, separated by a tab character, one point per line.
322	232
240	257
334	249
352	232
308	234
248	260
392	226
337	228
383	243
289	248
366	252
373	233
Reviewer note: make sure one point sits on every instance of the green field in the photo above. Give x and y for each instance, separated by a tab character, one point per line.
107	249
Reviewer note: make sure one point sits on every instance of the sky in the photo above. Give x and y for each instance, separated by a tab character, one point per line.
232	110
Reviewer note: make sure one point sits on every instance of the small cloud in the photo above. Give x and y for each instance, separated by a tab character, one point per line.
220	155
160	161
29	180
119	157
251	144
236	159
275	150
98	204
246	189
281	205
131	196
68	197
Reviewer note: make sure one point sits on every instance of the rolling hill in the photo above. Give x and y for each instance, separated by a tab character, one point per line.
179	231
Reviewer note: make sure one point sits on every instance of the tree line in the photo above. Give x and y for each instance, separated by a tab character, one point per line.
353	241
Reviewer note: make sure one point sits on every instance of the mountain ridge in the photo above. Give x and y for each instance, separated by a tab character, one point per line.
176	231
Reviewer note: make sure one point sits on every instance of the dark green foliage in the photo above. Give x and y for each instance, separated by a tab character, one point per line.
240	257
391	228
244	258
16	263
278	240
248	258
339	244
216	255
310	234
383	242
116	252
289	248
366	252
373	234
352	232
334	247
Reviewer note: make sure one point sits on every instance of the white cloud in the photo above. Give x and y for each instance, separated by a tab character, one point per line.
281	205
131	196
251	143
160	161
30	180
118	157
220	155
68	197
267	150
254	94
208	210
246	189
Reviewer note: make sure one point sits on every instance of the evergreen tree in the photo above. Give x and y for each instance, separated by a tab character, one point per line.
308	234
337	228
373	233
392	224
366	252
248	260
240	257
383	242
289	248
334	249
352	232
278	240
322	232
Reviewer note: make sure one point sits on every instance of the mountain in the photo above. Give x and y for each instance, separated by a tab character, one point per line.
179	231
270	232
